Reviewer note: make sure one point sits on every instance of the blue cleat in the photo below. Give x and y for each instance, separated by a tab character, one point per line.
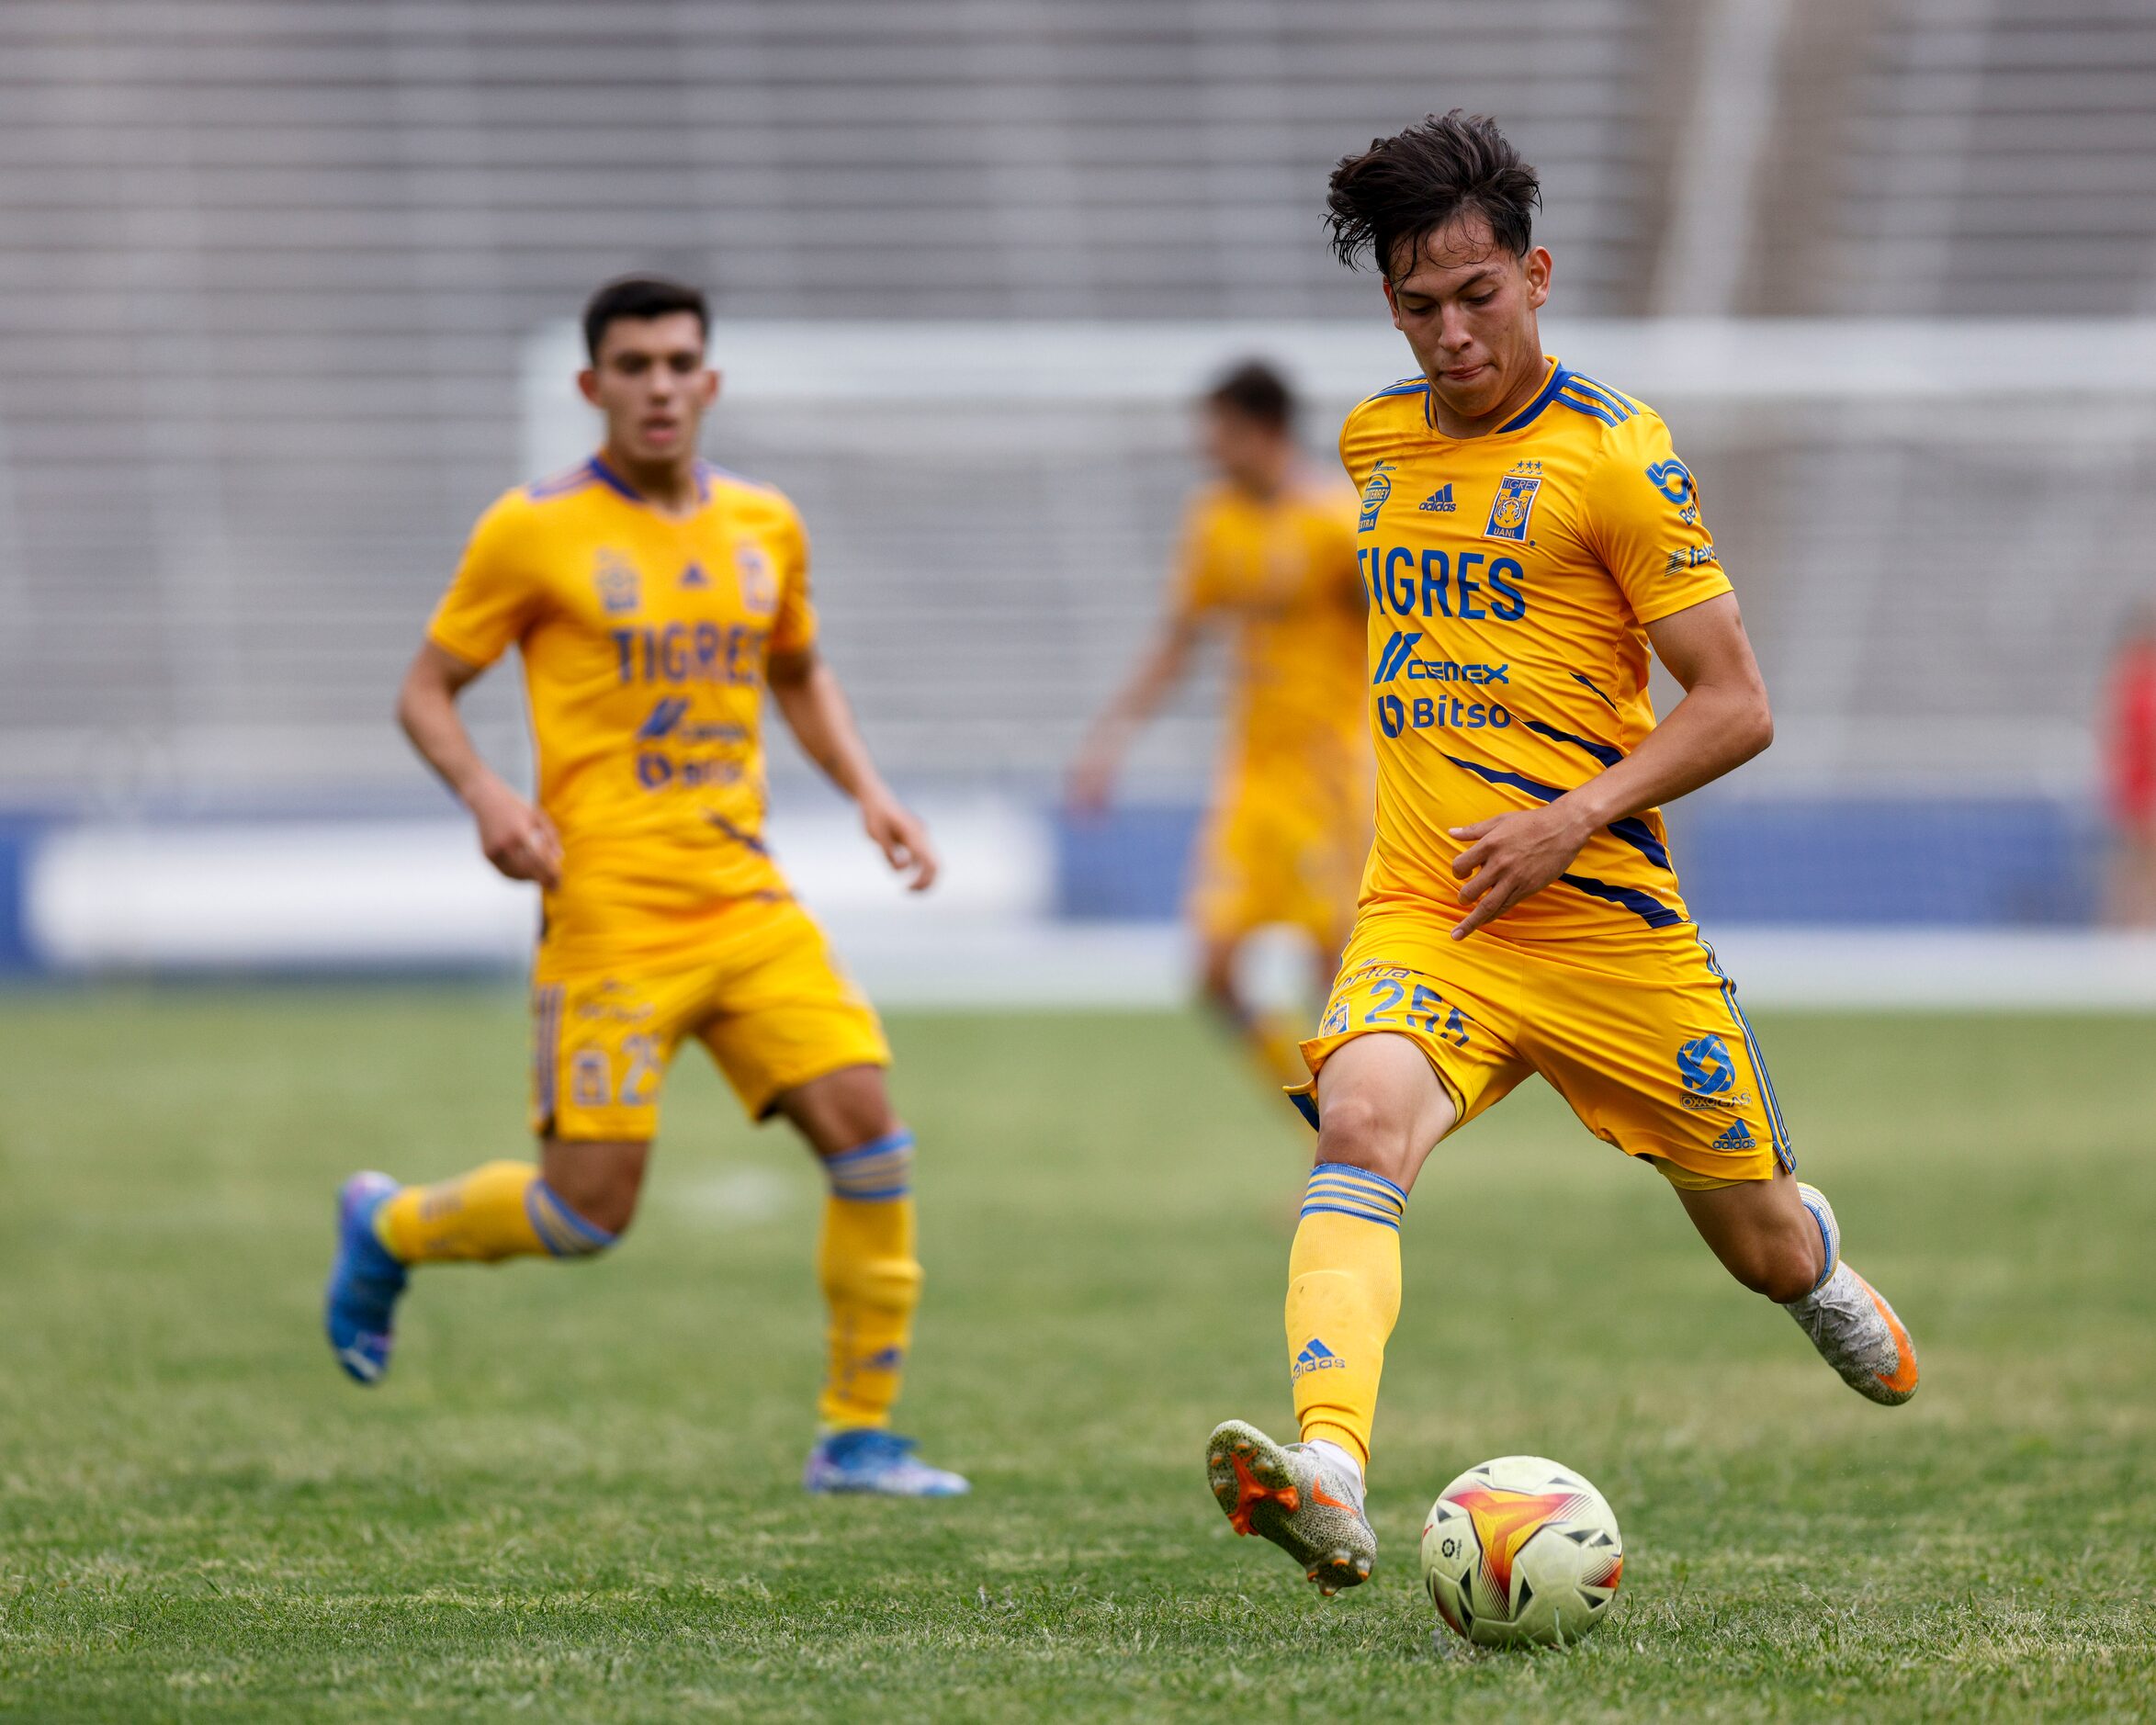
359	1307
868	1460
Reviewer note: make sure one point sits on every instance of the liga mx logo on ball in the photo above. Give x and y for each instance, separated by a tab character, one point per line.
1519	1553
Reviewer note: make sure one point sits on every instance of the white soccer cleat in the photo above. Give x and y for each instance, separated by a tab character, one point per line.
1857	1333
1306	1506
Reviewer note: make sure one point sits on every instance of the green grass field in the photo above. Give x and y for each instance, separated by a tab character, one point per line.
575	1496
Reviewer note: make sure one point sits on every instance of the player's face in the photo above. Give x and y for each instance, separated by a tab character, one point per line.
1467	307
651	381
1242	450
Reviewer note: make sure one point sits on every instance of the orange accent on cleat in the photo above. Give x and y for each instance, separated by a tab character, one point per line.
1903	1381
1249	1493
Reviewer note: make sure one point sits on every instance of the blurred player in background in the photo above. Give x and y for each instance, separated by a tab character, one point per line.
2130	771
1529	537
653	599
1267	557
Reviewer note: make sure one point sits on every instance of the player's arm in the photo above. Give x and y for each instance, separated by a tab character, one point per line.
1092	773
1722	721
516	837
815	707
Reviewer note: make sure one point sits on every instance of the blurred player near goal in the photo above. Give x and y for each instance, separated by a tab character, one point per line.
653	599
1267	557
2130	771
1521	913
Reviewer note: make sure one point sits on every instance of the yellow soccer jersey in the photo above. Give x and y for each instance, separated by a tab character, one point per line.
643	641
1509	578
1283	573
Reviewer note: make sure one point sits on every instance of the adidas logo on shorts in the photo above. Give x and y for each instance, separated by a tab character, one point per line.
1738	1137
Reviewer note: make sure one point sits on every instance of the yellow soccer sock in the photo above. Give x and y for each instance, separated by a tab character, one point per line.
871	1279
1343	1300
498	1209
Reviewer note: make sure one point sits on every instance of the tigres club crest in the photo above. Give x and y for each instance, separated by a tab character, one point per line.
1374	495
760	586
615	578
1515	503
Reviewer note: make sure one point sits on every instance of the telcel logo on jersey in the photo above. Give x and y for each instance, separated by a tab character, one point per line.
1515	503
1374	494
615	578
1689	557
1705	1068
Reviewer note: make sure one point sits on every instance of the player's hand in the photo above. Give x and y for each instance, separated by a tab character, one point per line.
1091	781
1512	857
902	836
517	839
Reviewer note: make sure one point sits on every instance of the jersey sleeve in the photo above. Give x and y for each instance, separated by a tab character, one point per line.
1644	524
793	624
1194	590
495	593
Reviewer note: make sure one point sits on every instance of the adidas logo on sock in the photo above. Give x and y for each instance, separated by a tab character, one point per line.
1440	502
1315	1357
1738	1137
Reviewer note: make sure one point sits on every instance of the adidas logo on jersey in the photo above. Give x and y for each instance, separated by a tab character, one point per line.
694	575
1315	1357
1440	502
1738	1137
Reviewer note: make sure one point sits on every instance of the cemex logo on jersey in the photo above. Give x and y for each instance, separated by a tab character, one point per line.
1374	494
1705	1067
1317	1356
1394	660
1440	502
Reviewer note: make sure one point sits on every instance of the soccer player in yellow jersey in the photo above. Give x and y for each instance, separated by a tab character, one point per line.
653	600
1527	536
1268	555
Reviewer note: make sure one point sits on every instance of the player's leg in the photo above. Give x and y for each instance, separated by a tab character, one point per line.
600	1046
798	1039
1641	1033
575	1204
1402	1057
1270	1037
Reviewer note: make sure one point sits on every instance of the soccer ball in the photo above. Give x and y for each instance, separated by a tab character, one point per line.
1521	1553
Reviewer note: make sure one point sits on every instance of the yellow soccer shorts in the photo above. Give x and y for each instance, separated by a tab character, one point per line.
1639	1032
767	997
1267	857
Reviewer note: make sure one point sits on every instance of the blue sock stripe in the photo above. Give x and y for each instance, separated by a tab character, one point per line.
1341	1189
875	1172
561	1230
1360	1215
1348	1170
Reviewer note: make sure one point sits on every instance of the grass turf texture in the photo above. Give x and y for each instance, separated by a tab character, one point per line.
575	1496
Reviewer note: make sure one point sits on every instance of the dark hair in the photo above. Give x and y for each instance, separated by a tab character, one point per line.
639	296
1411	184
1256	390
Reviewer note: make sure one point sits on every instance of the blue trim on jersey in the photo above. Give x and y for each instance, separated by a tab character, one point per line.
1645	905
1406	386
1603	752
613	480
562	484
1783	1151
1631	829
1603	393
1526	416
1589	684
1591	408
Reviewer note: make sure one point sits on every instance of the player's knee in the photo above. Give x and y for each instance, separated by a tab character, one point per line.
1357	1131
598	1185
